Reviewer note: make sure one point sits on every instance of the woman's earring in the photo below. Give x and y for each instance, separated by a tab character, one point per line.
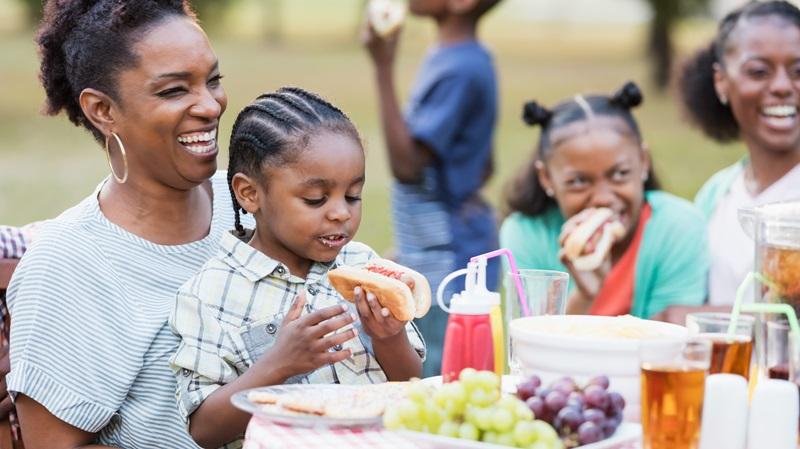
549	192
645	177
124	159
723	99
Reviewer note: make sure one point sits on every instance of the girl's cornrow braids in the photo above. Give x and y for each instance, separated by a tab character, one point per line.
315	99
300	107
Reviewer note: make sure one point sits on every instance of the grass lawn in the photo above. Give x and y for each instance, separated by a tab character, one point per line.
46	164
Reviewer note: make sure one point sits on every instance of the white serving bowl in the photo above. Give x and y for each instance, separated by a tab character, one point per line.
584	346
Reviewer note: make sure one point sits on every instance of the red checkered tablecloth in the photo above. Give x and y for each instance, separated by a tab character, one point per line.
262	434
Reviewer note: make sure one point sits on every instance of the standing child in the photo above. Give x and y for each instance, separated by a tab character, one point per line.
591	155
440	153
262	312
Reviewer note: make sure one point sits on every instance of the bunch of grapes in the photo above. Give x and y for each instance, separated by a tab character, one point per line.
472	408
580	415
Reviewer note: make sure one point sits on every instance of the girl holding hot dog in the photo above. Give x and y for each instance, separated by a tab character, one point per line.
263	311
588	203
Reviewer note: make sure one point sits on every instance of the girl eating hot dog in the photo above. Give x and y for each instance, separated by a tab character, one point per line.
588	203
263	311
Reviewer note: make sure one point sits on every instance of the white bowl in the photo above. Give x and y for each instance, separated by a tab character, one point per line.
584	346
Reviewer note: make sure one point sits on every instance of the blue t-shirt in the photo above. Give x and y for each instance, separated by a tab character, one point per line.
441	222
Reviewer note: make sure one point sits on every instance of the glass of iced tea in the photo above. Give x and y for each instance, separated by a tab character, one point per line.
778	350
673	375
730	353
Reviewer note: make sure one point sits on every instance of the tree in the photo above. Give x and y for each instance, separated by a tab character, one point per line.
666	14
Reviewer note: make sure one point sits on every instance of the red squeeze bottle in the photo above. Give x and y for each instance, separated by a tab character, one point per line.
468	340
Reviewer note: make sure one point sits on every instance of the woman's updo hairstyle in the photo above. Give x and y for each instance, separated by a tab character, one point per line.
274	128
85	44
524	193
696	81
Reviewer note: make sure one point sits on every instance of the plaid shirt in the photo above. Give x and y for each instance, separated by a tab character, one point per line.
15	241
230	313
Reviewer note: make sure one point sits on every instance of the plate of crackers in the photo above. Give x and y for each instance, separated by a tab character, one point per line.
321	405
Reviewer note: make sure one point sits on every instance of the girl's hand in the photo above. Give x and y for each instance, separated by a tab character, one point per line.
382	50
303	343
377	321
587	285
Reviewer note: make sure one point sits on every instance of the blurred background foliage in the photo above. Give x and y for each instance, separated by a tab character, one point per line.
543	49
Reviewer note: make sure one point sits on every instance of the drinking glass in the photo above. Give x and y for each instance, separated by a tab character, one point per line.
778	350
545	294
673	374
730	354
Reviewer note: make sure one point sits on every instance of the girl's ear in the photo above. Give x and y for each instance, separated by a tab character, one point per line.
721	83
544	178
246	190
645	160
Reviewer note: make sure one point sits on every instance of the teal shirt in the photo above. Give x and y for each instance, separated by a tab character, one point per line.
672	264
718	185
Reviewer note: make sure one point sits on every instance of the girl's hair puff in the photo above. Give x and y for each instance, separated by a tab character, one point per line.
85	44
696	80
525	194
274	128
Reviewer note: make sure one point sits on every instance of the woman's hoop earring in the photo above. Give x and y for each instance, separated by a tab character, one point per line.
124	159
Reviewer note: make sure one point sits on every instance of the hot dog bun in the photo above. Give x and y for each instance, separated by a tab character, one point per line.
385	16
591	222
381	277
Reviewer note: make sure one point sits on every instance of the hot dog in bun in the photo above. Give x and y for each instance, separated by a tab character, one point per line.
385	16
587	237
402	290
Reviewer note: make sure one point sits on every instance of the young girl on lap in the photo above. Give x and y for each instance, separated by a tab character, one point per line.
262	312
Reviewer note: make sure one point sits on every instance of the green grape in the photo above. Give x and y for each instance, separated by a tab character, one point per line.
408	411
546	432
432	414
483	398
540	445
391	419
489	437
418	392
488	380
468	374
485	418
449	429
467	431
480	398
524	433
523	412
505	439
502	420
508	402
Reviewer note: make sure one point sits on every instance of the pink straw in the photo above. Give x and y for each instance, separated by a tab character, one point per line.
523	303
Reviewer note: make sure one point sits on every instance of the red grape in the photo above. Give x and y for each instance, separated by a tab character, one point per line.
526	390
555	401
589	432
616	403
536	404
569	420
596	397
600	381
594	415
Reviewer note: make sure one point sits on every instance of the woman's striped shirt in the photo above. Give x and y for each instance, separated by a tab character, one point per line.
89	336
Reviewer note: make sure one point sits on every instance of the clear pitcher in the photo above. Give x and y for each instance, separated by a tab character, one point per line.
775	230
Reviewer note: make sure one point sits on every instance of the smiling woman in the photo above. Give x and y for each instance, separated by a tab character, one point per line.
746	85
89	359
